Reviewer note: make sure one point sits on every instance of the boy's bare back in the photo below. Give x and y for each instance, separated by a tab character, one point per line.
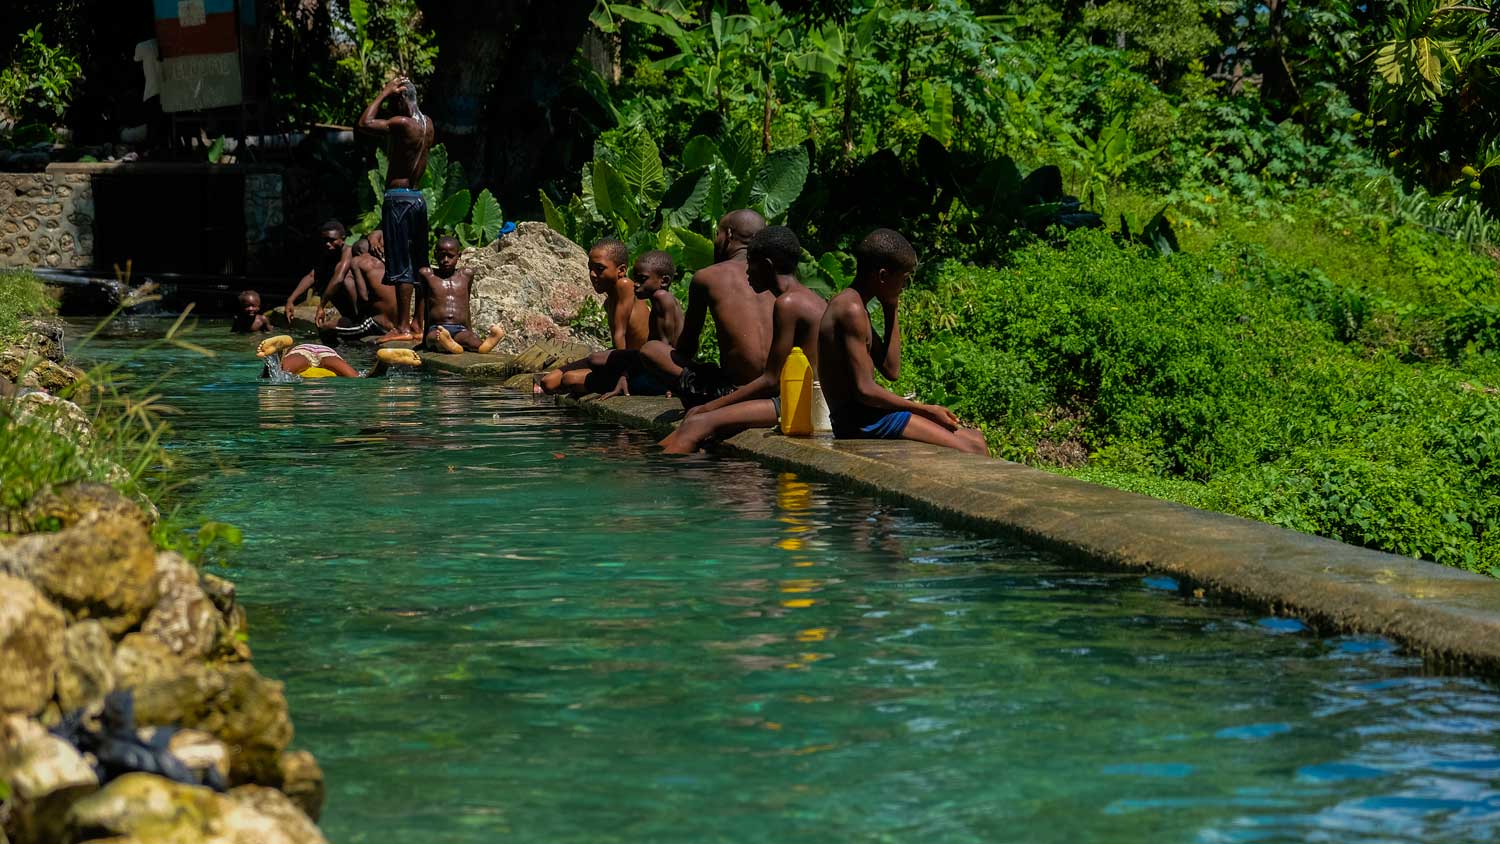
742	318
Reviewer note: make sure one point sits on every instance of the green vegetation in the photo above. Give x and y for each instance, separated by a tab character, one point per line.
22	297
37	87
1201	378
106	428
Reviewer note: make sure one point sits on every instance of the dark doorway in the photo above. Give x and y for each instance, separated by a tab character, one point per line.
170	221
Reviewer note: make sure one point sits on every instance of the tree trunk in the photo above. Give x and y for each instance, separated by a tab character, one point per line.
500	68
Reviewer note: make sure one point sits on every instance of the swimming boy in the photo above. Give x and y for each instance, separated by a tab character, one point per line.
298	359
795	315
445	305
331	264
403	213
620	371
248	319
742	321
850	351
366	274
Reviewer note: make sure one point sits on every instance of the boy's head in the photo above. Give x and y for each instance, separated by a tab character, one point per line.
735	232
653	271
407	102
884	260
249	303
775	251
608	260
446	254
331	234
360	247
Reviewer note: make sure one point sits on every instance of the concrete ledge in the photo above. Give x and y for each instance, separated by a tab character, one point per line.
1448	616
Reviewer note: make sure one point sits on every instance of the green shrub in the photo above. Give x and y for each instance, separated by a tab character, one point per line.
1214	379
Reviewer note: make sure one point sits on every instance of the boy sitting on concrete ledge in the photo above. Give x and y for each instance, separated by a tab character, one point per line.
621	371
850	351
795	316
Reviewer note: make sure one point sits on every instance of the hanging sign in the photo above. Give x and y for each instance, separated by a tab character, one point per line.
200	54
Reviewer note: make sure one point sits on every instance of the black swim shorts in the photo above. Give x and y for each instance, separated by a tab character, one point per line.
701	383
403	218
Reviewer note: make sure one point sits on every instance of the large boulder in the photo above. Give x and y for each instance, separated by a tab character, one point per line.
147	809
31	647
184	617
102	567
45	775
533	281
233	703
302	781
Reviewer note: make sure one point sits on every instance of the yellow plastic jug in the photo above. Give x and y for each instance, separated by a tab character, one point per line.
796	395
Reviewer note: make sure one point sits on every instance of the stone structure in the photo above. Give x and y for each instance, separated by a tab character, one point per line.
46	220
533	281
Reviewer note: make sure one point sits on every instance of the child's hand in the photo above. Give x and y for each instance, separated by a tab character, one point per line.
941	415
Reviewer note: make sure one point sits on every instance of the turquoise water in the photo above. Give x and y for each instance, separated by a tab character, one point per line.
500	621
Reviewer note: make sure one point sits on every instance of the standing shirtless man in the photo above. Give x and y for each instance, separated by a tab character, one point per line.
403	214
742	321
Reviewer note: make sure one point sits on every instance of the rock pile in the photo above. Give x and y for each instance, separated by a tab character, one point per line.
93	607
533	281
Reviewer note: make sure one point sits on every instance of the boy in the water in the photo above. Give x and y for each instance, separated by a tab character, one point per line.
444	306
850	351
773	255
298	359
331	264
621	371
248	319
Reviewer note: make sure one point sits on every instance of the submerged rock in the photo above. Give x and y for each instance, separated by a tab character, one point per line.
102	567
146	809
533	281
31	647
45	775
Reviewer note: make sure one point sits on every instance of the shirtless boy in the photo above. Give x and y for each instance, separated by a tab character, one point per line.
445	305
742	321
403	213
371	317
248	319
330	266
795	315
619	371
297	359
851	351
629	324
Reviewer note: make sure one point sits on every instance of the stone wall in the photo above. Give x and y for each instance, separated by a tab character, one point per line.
46	220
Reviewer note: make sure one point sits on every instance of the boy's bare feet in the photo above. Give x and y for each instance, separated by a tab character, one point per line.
399	357
272	345
446	342
497	333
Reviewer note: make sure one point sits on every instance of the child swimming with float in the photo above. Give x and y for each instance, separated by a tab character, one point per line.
311	360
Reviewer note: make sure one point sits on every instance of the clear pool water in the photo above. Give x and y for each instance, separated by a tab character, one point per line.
498	620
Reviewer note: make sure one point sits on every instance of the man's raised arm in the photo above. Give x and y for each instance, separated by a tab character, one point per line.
368	122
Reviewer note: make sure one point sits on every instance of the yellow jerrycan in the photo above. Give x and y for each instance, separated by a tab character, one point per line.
796	395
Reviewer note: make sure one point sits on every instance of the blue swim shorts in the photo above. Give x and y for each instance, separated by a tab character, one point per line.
867	423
